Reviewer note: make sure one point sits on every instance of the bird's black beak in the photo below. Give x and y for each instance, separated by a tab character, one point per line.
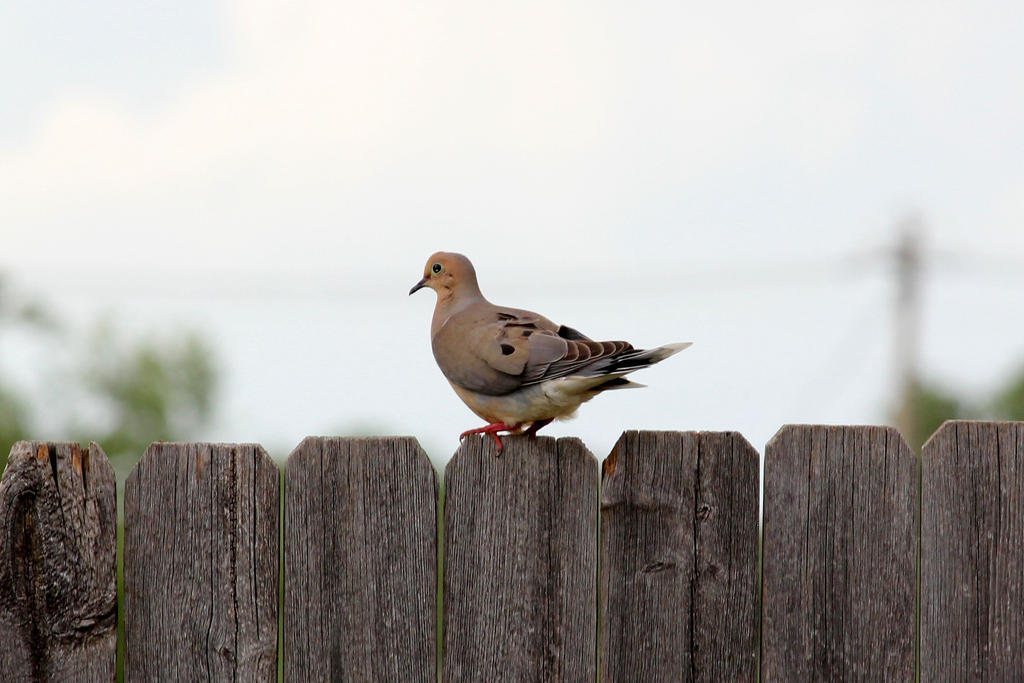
418	286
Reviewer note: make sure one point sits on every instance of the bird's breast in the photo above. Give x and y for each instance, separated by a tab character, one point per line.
529	404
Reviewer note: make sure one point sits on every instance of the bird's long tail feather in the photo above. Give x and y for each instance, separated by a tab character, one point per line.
640	358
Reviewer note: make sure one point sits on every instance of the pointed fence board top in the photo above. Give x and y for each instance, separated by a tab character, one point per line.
201	563
972	552
679	557
58	564
520	561
839	556
360	561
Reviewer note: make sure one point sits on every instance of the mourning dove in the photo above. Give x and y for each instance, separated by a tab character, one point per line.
515	368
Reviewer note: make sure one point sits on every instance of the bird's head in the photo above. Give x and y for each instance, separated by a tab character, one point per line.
448	273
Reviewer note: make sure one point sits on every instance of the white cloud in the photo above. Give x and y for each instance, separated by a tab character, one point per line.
352	87
393	115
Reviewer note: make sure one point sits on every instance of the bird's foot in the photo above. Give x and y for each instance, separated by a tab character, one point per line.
491	429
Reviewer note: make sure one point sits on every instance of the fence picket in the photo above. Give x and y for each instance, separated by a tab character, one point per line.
201	564
520	561
972	552
58	564
839	555
679	557
360	561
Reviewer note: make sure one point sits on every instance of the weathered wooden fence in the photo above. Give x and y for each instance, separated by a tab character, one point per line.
649	572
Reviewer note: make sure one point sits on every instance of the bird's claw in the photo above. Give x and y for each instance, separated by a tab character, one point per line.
491	429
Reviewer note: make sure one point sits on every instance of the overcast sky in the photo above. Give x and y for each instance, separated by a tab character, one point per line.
723	173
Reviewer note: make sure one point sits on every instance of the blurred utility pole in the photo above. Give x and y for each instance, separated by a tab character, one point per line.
907	324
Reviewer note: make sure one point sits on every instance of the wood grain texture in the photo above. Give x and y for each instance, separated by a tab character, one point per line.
972	552
520	580
58	564
839	557
360	561
201	564
679	558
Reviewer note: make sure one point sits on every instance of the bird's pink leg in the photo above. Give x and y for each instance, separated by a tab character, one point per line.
491	429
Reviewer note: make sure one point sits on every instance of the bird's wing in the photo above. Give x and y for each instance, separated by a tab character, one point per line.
494	351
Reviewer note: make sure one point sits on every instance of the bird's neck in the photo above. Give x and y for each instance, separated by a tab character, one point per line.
450	302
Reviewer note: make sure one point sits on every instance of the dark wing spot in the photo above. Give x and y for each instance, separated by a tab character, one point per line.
566	332
507	349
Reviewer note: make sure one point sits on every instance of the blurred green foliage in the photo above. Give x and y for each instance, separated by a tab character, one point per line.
152	389
136	389
932	405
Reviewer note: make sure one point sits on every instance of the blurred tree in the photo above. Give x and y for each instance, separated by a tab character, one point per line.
146	389
150	390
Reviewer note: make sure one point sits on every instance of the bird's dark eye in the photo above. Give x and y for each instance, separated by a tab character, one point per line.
436	268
